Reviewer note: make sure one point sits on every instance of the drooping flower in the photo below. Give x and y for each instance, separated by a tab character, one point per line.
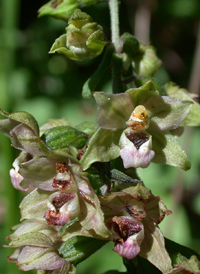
137	125
133	215
36	243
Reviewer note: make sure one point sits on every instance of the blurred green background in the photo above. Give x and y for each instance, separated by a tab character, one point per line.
49	86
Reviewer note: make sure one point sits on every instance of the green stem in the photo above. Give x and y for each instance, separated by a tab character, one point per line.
114	15
117	85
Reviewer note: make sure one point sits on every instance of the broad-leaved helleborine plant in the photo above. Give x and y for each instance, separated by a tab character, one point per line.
80	183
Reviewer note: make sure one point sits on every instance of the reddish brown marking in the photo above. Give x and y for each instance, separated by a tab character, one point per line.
61	168
88	200
137	138
124	227
80	153
61	184
56	3
52	217
61	199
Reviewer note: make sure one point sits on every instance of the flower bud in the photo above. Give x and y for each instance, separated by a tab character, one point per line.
84	38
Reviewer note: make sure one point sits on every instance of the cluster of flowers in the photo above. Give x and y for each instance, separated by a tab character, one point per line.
69	213
64	206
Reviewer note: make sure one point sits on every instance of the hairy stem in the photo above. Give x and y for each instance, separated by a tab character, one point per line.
114	15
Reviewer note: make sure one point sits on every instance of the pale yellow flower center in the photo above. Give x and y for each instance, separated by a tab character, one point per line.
139	120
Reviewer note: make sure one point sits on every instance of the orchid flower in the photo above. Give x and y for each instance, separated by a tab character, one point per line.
133	215
137	126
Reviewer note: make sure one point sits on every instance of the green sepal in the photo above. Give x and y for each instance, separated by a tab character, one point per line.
168	151
193	118
60	9
102	147
153	247
113	109
141	80
63	136
34	205
78	248
166	113
130	44
96	43
146	61
141	94
59	46
32	239
93	81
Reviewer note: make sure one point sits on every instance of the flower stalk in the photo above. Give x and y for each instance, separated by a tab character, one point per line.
114	15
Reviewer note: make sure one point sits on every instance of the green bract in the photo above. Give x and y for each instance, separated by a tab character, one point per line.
130	44
145	62
63	9
137	125
84	38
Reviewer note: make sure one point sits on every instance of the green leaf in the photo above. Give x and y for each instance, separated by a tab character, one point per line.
168	151
63	136
98	178
121	180
140	265
87	127
93	81
113	109
53	123
174	249
63	228
78	248
102	147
